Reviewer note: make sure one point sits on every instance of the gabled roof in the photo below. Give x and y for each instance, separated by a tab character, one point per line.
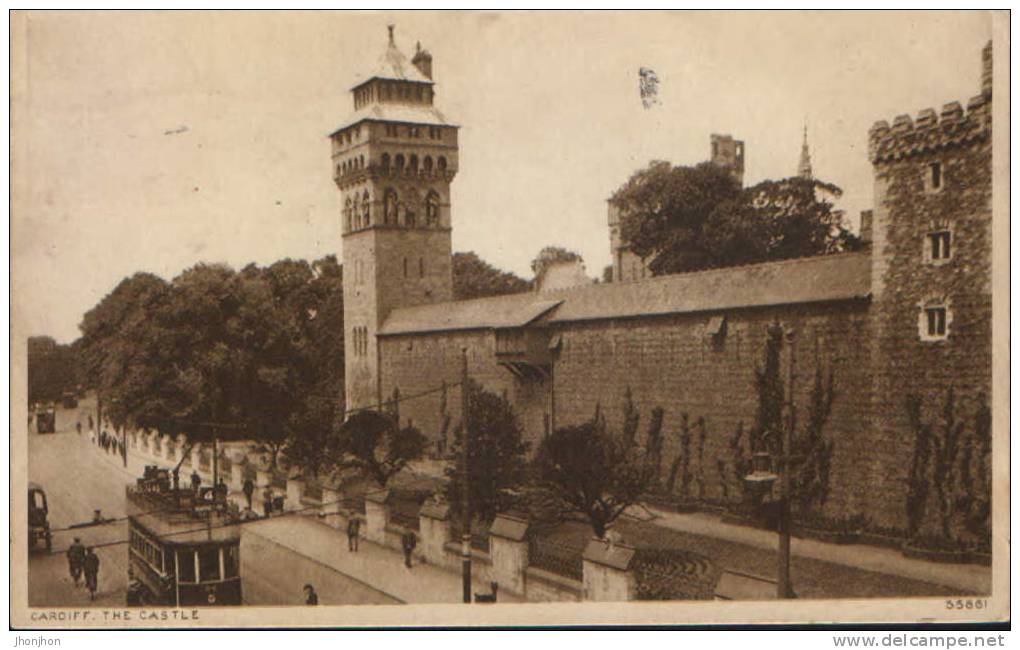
515	310
395	66
825	278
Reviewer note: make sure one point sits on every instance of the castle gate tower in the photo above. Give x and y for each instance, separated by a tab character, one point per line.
393	162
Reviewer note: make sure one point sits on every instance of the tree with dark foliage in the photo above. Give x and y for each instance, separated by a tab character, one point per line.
375	444
52	369
552	255
474	278
594	472
692	218
496	456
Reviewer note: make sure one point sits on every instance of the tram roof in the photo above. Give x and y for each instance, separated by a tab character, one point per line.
183	529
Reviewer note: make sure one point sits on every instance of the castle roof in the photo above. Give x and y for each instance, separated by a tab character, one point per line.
825	278
395	66
405	113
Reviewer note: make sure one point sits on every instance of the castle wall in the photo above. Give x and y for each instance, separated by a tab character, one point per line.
672	362
665	361
415	364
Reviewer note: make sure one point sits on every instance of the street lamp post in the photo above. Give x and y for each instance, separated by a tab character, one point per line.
465	539
785	585
762	477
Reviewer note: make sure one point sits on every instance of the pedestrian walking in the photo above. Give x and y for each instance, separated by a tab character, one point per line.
408	541
76	559
267	501
221	492
311	598
91	567
196	481
353	528
78	426
249	490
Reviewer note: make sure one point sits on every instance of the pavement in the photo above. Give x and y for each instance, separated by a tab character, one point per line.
967	578
380	567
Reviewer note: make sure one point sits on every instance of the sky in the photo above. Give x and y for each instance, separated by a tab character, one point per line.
151	141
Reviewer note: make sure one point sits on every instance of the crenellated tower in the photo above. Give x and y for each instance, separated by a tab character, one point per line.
931	278
393	162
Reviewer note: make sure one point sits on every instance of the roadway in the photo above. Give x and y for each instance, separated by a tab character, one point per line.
78	480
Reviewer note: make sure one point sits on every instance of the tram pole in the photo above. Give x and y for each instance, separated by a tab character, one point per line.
465	540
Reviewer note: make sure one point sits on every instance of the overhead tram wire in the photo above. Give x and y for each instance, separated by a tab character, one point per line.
239	426
216	527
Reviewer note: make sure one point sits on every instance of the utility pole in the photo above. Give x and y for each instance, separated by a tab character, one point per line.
465	540
785	588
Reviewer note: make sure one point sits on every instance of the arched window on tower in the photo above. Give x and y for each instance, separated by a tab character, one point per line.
366	204
441	163
356	209
339	171
385	162
426	164
390	207
413	164
347	214
361	162
432	209
399	162
410	206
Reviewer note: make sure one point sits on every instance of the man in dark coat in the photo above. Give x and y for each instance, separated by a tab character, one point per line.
353	528
76	559
311	598
249	490
196	480
91	566
408	541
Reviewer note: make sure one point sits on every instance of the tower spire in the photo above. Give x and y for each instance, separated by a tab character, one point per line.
804	167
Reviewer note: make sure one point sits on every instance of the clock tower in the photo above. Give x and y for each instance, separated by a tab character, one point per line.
393	162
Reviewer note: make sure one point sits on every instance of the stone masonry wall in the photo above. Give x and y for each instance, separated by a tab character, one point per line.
671	362
421	363
666	361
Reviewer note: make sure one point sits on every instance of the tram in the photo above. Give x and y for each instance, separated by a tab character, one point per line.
183	547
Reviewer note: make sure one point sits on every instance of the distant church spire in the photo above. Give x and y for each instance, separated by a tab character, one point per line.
804	167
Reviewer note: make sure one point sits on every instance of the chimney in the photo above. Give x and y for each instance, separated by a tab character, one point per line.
986	71
866	227
423	61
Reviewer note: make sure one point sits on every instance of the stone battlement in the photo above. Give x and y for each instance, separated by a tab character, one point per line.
930	131
933	131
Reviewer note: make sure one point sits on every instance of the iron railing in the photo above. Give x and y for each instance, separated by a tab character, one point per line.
561	559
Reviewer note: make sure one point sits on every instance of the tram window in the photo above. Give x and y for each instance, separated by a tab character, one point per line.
157	558
169	558
187	559
231	566
209	564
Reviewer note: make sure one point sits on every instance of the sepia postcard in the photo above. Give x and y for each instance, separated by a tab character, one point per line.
508	318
